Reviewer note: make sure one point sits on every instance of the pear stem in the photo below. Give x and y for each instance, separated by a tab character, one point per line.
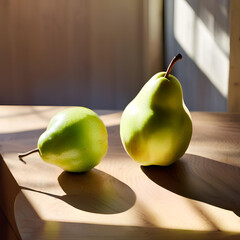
170	66
21	155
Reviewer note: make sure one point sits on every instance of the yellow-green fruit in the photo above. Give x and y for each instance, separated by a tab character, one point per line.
76	140
156	127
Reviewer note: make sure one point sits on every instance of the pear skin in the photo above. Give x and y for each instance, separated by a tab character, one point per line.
156	126
75	140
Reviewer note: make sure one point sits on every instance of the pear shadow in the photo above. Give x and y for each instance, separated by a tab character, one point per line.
201	179
94	191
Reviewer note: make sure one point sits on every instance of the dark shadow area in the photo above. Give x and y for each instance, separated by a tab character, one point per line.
5	228
200	179
94	191
23	135
9	190
16	142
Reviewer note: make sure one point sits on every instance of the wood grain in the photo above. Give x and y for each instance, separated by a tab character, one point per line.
195	198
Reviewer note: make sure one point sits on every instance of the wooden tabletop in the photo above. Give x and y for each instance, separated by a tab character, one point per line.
198	197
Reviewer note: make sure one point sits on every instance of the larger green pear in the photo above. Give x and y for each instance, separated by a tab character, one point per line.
76	140
156	126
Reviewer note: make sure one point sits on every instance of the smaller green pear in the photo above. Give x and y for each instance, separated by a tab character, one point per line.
75	140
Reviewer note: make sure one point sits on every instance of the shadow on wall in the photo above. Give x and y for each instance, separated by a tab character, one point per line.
200	31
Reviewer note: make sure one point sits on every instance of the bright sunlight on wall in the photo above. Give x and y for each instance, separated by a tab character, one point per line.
207	46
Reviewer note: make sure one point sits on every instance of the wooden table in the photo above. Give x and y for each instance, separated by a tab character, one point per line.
198	197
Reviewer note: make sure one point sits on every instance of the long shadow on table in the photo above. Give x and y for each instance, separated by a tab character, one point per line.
94	191
201	179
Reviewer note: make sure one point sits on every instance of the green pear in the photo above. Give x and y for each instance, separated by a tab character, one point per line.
156	126
76	140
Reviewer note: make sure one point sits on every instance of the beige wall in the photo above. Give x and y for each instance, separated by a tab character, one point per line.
76	52
99	53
